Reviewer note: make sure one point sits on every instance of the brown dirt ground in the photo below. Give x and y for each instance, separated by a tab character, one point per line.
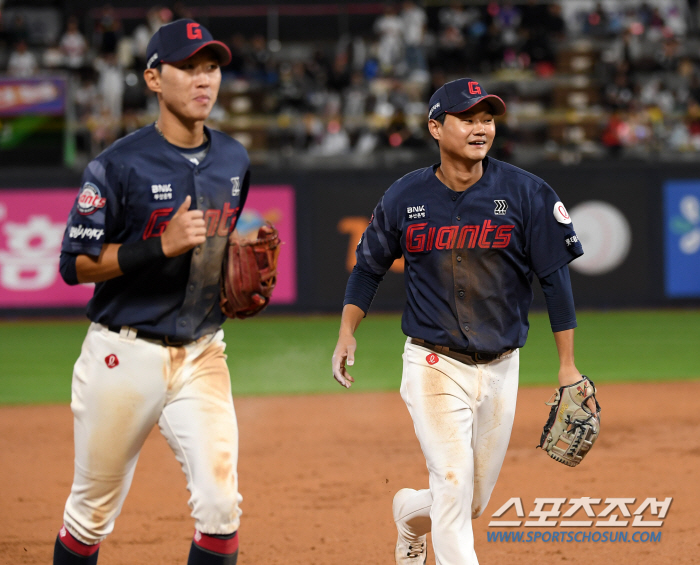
318	474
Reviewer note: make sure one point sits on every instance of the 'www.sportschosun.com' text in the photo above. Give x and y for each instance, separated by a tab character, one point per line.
566	536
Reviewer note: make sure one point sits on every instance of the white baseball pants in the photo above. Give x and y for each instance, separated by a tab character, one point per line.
463	415
122	387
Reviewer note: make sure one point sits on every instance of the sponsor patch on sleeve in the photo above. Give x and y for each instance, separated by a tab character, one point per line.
560	214
419	212
90	199
572	242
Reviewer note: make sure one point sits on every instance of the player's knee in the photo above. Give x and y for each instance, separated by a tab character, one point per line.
219	514
477	511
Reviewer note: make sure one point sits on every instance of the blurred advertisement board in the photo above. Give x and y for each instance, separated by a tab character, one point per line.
32	223
31	229
682	238
32	96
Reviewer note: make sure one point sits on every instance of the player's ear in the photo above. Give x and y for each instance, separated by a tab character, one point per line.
435	129
152	78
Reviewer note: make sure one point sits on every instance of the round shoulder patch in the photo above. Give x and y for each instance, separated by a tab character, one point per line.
560	214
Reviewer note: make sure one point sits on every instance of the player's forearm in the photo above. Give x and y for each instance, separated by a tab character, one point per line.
350	319
568	373
92	269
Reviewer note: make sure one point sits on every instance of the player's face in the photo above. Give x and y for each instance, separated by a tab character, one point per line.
468	135
189	88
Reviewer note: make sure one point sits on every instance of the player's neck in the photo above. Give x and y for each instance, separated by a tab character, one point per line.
185	134
459	175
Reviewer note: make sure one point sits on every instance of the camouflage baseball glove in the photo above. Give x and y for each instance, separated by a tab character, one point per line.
571	429
249	273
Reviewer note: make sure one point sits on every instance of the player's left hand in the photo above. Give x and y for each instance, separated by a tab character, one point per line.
571	375
344	355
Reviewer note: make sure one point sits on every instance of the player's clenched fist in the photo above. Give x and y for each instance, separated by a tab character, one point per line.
185	231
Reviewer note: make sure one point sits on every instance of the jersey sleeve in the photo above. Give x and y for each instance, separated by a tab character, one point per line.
552	241
93	219
380	244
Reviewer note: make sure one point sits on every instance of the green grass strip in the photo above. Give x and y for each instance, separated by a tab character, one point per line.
291	354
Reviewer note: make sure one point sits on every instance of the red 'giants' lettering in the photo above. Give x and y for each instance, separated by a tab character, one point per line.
417	240
217	222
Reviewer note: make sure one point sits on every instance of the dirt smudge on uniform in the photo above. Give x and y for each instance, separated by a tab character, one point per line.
452	478
177	360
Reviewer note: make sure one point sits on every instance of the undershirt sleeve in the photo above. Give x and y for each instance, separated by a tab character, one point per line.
361	288
560	299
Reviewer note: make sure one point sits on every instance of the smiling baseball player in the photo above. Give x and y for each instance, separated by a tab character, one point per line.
150	227
474	232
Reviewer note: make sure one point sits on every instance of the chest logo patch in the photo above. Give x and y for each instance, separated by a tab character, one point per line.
235	186
560	214
419	212
90	200
501	207
162	191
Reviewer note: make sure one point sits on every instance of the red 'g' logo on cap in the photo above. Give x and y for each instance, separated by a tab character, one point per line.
474	87
193	31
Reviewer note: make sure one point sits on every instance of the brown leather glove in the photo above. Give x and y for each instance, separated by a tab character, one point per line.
249	273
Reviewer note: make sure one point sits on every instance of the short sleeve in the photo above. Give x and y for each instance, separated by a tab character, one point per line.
93	219
380	244
552	241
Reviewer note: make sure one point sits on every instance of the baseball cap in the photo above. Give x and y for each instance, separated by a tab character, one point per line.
460	95
180	40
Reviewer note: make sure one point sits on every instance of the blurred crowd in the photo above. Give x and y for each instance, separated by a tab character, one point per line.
613	78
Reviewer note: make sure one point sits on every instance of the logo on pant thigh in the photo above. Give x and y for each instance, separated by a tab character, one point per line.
111	360
432	359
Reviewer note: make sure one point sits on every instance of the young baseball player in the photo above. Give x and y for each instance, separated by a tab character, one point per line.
150	226
474	232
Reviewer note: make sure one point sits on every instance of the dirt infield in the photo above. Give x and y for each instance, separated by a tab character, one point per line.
318	474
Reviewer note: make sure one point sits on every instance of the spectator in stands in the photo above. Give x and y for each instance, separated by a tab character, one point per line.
414	21
156	17
110	85
389	28
73	45
22	62
108	31
596	23
18	30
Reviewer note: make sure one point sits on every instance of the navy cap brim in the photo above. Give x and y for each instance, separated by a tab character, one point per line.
223	52
497	104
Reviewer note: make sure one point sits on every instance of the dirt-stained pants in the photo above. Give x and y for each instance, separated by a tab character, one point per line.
463	415
122	387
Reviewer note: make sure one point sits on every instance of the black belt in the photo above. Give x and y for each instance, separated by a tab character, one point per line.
164	339
476	356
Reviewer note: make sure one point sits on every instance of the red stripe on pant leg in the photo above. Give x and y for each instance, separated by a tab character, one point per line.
77	546
222	546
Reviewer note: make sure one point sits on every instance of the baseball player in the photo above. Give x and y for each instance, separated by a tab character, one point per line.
474	232
150	226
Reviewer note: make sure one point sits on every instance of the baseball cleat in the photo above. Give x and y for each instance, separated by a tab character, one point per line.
410	549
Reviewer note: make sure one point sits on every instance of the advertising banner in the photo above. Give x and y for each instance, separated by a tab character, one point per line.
682	238
275	204
31	230
32	96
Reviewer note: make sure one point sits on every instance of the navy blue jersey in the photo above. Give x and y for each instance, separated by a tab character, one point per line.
470	256
129	192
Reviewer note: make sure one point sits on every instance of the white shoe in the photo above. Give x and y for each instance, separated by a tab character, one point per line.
410	549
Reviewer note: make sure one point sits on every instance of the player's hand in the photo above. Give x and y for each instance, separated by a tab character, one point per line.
344	355
186	230
571	375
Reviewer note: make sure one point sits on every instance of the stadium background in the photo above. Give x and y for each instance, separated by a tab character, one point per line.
330	99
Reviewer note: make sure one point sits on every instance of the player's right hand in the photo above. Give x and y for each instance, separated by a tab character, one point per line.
186	230
344	355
